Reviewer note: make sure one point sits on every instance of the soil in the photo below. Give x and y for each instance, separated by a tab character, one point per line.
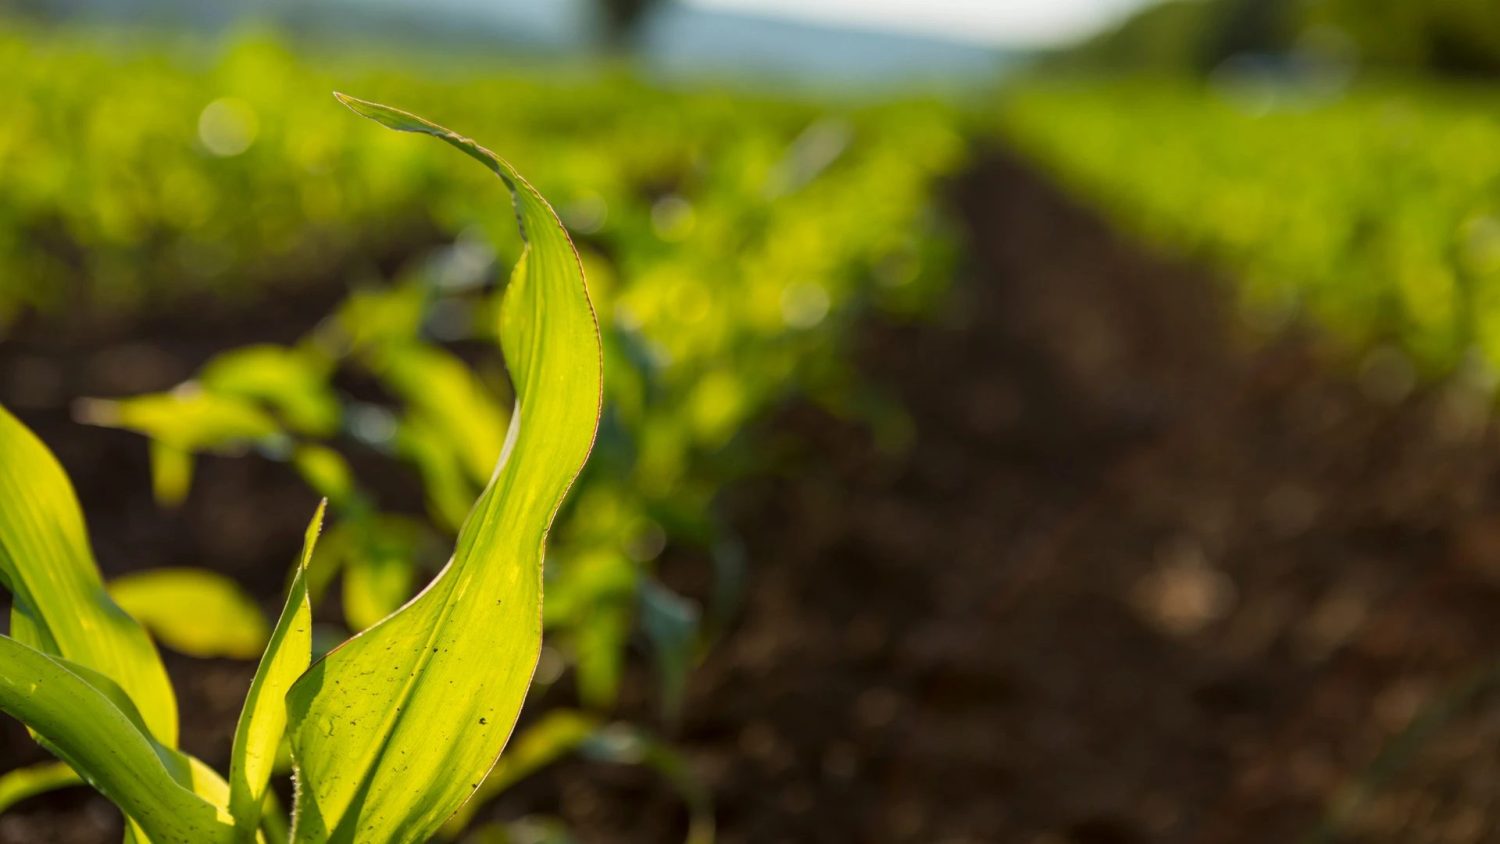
1141	575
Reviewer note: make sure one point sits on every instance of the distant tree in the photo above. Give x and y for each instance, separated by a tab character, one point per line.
1163	38
1448	36
1249	26
1196	36
620	20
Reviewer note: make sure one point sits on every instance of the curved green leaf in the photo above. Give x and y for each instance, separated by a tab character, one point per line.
293	382
194	611
672	625
327	472
22	783
450	491
393	731
60	606
263	719
591	610
188	418
378	555
182	423
380	573
89	722
437	387
171	473
562	732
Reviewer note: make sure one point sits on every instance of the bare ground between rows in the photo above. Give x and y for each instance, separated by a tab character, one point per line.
1135	579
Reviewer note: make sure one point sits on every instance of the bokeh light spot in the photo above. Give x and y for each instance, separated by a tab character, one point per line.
227	127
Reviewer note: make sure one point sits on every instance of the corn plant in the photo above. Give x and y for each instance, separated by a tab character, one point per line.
390	733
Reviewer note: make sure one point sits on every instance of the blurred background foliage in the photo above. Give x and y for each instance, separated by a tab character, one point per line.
137	173
1384	224
1339	158
730	236
729	242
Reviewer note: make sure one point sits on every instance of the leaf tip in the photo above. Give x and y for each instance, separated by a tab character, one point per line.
101	412
391	118
363	108
314	528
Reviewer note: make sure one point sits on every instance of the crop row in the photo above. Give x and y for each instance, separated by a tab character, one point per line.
1374	210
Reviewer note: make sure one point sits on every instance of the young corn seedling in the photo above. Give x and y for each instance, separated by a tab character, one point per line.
395	729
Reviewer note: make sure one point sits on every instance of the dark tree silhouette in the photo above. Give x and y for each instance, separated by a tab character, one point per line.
620	19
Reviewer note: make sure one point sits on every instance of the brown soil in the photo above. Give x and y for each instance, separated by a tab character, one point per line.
1136	578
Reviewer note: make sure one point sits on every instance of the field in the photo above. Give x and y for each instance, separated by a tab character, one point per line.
1023	468
1372	210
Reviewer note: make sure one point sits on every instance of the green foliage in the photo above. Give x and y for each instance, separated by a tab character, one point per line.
729	243
193	611
122	192
381	753
89	722
21	783
563	732
557	734
60	606
263	720
1375	213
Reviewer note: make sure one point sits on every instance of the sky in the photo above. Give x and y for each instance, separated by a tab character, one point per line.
1005	23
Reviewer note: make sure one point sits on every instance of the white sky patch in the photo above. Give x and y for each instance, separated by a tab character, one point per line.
1018	23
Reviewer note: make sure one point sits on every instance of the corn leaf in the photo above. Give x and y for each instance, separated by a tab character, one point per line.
591	607
379	575
88	721
394	730
23	783
293	382
180	424
671	624
327	472
60	605
171	473
188	418
437	386
378	555
194	611
450	491
562	732
263	719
